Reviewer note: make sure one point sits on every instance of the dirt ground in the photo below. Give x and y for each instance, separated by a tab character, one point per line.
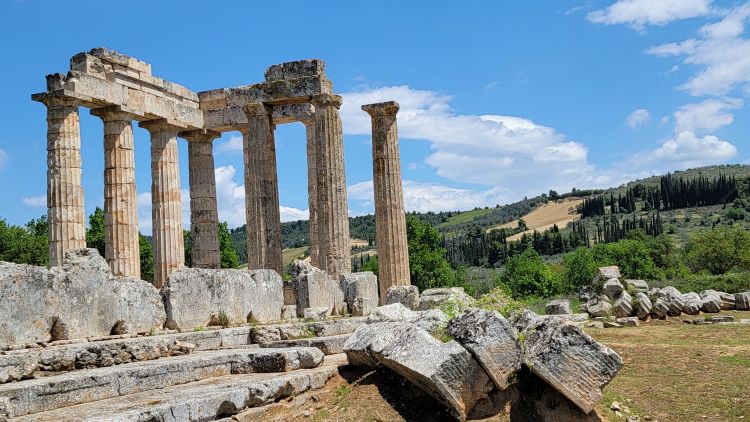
545	216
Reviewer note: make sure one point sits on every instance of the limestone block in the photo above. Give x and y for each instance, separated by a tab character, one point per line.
728	301
360	292
194	297
598	307
406	295
637	285
288	312
446	371
660	308
742	301
692	303
606	273
628	322
79	299
643	305
612	288
272	91
296	69
316	289
710	301
623	305
673	299
586	292
316	314
432	298
430	320
568	359
557	307
492	340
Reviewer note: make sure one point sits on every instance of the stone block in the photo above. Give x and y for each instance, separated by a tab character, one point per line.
296	69
692	303
642	305
196	297
612	288
558	307
432	298
492	341
316	314
288	312
622	306
637	285
360	292
606	273
710	301
586	292
628	322
405	295
742	301
598	307
728	301
316	289
446	371
77	300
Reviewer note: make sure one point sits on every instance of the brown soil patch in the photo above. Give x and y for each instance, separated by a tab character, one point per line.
546	216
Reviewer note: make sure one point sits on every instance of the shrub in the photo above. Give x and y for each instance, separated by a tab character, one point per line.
578	268
718	250
528	275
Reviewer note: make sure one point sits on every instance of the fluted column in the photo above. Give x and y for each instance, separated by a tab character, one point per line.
65	214
204	217
166	212
334	252
312	191
261	190
121	246
390	217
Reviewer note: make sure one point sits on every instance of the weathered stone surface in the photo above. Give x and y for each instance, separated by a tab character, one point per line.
492	340
446	371
360	292
429	320
288	312
623	306
568	359
728	301
586	292
612	288
637	285
79	299
672	298
606	273
432	298
202	400
316	314
192	296
692	303
642	305
595	324
557	307
611	324
628	322
598	307
405	295
742	301
330	345
660	308
710	301
316	289
72	388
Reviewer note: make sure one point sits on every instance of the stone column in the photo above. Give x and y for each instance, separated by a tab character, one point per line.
261	190
166	213
390	217
204	217
65	214
121	246
312	191
334	252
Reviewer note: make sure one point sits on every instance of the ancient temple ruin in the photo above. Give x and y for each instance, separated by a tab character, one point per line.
120	89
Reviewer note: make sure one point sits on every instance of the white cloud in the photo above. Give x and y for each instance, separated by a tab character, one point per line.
492	85
720	52
414	166
640	13
3	157
233	144
35	201
638	118
423	197
687	150
707	115
496	151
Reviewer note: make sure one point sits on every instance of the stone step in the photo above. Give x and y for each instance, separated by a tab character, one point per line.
20	364
330	345
54	392
205	400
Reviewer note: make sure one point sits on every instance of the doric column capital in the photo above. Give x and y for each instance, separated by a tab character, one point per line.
388	108
162	125
200	135
113	113
324	100
257	109
55	100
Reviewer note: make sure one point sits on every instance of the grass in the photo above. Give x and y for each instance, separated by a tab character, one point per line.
679	372
289	255
465	217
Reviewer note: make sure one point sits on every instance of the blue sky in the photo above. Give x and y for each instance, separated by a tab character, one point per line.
499	100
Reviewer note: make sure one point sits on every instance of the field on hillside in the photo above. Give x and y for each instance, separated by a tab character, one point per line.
545	216
674	372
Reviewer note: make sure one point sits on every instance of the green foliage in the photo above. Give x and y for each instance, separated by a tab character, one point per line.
578	268
718	250
227	252
187	239
732	282
528	275
25	245
371	265
427	262
632	256
500	300
95	232
147	257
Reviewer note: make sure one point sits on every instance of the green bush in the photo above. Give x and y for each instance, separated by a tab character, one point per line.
718	250
632	256
528	275
730	282
578	268
427	262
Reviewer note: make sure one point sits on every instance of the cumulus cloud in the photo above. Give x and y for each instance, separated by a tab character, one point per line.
233	144
687	149
641	13
495	151
35	201
707	115
3	157
720	52
423	197
638	118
